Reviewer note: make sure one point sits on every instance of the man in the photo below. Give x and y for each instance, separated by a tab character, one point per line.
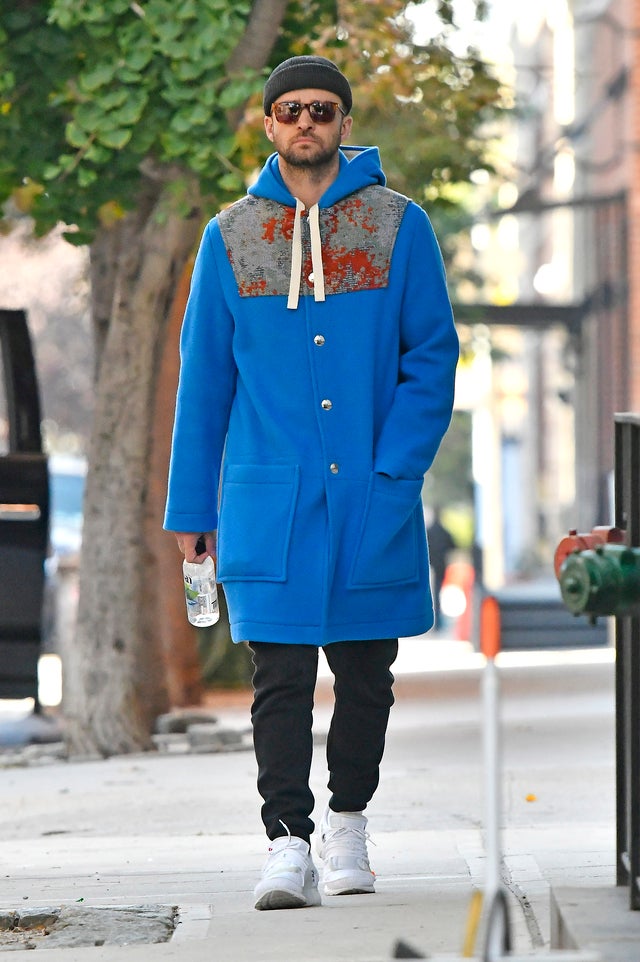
318	355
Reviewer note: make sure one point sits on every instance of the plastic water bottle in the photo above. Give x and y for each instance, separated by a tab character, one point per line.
201	592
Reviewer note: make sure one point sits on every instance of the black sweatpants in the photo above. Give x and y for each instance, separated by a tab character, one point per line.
284	682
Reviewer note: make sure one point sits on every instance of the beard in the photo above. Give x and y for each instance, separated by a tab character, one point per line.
309	158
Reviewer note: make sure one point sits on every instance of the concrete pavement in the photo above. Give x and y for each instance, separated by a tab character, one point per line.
181	828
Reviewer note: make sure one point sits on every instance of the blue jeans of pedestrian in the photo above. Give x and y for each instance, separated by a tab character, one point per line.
284	682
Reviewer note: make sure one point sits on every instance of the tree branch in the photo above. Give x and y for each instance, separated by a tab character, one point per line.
256	43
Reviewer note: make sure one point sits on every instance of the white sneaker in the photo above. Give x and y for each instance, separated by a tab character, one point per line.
342	846
289	877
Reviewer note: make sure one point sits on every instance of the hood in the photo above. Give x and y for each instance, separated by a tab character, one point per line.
359	167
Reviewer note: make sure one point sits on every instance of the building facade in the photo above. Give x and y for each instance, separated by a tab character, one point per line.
557	250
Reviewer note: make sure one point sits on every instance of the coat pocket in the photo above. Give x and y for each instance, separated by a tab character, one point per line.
257	506
388	547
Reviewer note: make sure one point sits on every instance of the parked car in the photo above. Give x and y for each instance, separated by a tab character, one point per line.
67	476
24	511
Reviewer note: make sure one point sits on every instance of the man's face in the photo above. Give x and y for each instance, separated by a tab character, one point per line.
305	143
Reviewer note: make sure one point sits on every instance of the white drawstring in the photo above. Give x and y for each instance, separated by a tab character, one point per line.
296	259
296	256
316	253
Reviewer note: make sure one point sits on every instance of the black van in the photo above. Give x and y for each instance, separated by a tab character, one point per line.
24	511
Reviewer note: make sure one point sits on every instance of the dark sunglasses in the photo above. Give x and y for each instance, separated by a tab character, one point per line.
320	111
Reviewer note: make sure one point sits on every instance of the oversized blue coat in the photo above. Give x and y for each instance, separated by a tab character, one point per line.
318	357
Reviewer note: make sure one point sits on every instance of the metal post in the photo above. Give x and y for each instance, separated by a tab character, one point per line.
498	932
627	506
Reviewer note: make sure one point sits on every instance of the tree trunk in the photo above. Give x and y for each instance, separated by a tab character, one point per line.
177	637
115	678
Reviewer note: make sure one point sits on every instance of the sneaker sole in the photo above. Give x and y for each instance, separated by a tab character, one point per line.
281	899
348	887
349	892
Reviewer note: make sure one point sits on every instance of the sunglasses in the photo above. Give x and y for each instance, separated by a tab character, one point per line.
320	111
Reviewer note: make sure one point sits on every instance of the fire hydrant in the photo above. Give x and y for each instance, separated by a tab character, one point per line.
598	573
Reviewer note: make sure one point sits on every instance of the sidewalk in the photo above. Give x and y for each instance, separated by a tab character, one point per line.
182	828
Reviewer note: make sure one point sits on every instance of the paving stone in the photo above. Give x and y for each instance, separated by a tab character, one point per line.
177	722
71	925
214	738
34	918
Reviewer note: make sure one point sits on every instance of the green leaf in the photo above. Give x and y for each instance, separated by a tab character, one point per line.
51	171
181	122
127	76
113	98
93	12
98	155
100	30
88	115
99	76
187	10
66	161
173	144
86	176
78	238
116	139
233	95
231	182
199	114
76	136
139	57
187	70
167	31
131	110
142	138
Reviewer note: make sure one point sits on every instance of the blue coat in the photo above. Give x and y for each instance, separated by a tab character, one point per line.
318	359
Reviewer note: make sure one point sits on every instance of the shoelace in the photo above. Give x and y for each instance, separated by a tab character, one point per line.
275	858
340	841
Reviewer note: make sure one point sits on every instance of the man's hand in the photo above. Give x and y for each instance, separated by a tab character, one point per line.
187	542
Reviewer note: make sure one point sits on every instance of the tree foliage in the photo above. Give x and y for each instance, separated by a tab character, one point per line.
95	95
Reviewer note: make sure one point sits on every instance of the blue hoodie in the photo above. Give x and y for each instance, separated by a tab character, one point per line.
318	358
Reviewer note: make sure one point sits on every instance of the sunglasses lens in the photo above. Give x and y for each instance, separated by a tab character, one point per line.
320	111
287	113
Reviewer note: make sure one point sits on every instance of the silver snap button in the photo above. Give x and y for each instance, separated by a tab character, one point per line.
319	340
334	468
327	405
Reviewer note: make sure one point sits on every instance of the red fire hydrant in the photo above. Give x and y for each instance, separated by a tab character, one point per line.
602	534
598	573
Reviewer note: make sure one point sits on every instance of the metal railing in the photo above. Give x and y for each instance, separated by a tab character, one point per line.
627	517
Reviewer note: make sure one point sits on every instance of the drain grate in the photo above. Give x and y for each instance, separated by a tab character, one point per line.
71	925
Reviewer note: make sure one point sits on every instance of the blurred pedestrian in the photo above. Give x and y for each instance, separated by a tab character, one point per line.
318	355
441	544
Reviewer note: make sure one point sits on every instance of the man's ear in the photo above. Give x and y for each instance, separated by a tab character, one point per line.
347	124
268	127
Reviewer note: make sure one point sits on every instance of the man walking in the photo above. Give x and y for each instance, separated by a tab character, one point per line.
318	359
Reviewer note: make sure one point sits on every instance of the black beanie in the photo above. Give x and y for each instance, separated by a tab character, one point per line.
297	73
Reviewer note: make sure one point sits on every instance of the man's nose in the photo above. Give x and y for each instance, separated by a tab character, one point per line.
305	119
